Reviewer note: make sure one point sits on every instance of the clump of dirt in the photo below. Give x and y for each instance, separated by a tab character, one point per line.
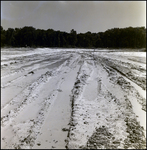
65	129
136	138
76	88
38	143
123	83
31	72
13	63
141	100
29	140
102	138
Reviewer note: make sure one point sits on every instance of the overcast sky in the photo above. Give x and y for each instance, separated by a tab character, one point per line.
82	16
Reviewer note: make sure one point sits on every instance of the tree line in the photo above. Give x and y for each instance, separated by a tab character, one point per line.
130	37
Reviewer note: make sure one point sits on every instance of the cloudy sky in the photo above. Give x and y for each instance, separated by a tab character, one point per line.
82	16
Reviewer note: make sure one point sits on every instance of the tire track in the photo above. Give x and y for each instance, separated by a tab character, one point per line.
125	69
102	103
28	95
27	139
29	66
111	121
76	102
59	113
30	71
125	85
72	57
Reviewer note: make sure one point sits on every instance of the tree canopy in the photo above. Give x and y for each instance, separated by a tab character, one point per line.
112	38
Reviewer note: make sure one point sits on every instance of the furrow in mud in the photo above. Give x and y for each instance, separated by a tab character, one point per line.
57	121
31	76
112	122
117	131
116	82
127	70
76	102
23	99
125	85
34	64
73	99
30	70
29	94
26	139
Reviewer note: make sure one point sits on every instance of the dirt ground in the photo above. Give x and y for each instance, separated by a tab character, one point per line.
72	99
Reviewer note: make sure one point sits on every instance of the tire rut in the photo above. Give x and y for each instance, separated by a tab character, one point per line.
27	139
119	120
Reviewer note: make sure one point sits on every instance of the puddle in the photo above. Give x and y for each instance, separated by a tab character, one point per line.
137	108
92	88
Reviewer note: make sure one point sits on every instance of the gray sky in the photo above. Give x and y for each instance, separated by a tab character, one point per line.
82	16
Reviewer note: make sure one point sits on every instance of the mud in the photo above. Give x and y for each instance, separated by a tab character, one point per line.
73	99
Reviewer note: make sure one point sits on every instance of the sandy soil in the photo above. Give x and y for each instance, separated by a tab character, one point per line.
72	98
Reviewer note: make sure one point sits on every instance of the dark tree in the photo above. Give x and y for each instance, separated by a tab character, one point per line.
73	38
3	37
10	39
28	36
113	38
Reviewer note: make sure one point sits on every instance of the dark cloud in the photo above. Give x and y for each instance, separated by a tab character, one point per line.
83	16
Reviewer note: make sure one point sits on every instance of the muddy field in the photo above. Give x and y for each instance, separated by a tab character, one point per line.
72	98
